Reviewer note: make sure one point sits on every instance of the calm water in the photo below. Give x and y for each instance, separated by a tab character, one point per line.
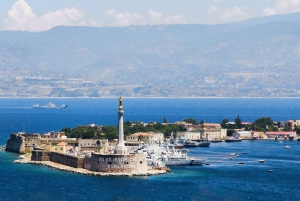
223	179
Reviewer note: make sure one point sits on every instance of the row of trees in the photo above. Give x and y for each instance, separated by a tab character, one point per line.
262	124
111	132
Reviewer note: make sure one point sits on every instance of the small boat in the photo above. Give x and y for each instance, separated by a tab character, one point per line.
270	170
232	154
191	144
291	136
232	139
204	144
287	147
216	140
244	152
241	162
179	157
261	161
50	105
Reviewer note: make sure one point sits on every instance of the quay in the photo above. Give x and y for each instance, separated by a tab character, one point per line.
25	159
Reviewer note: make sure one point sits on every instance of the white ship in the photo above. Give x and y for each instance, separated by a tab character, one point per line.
180	157
49	105
167	155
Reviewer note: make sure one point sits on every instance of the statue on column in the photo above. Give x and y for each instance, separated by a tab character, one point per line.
120	104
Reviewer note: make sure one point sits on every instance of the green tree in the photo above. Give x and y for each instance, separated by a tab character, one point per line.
190	121
67	131
238	122
224	123
111	132
201	124
88	134
165	120
262	124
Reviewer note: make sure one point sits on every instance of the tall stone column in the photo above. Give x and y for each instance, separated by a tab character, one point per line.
121	148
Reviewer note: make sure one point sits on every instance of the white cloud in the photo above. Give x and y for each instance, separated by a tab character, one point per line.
21	17
223	15
283	7
123	19
160	18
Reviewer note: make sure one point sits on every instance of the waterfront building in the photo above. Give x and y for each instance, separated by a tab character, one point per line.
61	147
210	134
145	137
188	126
209	126
92	144
243	134
54	135
214	133
280	134
190	135
294	122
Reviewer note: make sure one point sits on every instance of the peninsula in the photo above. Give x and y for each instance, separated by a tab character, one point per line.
106	161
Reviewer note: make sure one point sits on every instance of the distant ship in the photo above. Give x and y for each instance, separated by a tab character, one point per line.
50	105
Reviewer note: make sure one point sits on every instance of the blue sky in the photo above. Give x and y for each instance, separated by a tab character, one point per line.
39	15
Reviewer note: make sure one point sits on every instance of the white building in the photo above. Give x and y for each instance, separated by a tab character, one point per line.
243	134
189	135
216	133
209	134
145	137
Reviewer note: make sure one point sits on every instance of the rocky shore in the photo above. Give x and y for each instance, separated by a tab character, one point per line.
25	160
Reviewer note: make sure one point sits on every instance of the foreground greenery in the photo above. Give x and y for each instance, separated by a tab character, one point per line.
111	132
262	124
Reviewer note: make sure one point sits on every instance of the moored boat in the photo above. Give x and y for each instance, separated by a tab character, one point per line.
232	139
204	144
291	136
180	157
191	144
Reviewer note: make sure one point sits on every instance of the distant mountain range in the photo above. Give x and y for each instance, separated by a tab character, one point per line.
257	57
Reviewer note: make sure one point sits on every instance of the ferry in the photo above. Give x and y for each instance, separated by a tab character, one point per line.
50	105
179	157
167	155
232	139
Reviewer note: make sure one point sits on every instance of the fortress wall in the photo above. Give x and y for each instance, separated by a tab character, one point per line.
16	143
40	155
129	163
67	160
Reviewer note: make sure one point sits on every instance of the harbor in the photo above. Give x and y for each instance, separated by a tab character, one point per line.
262	166
266	168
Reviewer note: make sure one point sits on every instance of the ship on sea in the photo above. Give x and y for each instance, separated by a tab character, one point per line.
50	105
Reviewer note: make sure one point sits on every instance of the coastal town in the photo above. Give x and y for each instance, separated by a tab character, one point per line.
140	153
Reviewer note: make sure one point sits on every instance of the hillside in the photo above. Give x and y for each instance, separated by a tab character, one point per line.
250	59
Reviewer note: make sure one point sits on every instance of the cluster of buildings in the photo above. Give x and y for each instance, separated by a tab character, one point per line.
100	155
91	154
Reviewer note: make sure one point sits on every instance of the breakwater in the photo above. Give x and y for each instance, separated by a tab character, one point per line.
24	159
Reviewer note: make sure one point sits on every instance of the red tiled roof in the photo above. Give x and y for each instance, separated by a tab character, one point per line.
141	134
280	132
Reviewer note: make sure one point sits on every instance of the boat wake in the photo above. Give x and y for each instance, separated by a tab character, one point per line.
17	107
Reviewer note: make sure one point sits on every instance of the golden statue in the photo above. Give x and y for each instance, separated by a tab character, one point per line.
120	104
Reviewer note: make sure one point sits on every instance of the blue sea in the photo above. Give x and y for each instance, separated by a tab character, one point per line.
222	179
